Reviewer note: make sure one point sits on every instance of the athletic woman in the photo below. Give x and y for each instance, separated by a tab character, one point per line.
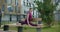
29	19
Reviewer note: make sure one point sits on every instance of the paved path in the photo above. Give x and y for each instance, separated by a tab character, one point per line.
9	24
1	30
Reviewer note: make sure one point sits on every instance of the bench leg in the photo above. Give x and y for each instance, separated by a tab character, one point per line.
38	29
20	29
6	27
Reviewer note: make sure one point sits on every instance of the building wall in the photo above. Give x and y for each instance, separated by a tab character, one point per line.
23	6
6	16
57	16
26	4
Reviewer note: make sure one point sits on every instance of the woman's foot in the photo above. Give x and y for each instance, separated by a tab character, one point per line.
35	26
18	24
39	26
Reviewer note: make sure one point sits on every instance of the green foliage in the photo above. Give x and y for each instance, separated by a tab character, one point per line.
46	9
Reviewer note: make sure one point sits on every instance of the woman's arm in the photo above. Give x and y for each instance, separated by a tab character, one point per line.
28	19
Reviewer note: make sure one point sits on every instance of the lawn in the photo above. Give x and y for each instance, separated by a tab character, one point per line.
55	28
27	29
7	22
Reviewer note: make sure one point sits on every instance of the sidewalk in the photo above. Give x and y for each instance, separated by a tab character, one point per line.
1	30
9	24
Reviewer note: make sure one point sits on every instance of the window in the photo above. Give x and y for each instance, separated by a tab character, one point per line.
0	1
58	0
15	8
27	4
5	1
24	3
18	9
3	7
11	1
24	11
16	2
27	0
30	4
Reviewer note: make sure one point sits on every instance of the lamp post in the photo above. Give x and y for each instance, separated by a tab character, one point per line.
0	17
33	10
10	17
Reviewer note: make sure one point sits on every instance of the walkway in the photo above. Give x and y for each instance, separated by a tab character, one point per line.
1	30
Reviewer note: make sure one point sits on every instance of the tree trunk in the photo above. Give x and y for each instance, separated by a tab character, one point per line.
48	24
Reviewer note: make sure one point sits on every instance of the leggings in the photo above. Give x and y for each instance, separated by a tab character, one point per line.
25	22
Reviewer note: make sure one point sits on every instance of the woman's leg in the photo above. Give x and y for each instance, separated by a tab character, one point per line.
23	22
36	25
33	24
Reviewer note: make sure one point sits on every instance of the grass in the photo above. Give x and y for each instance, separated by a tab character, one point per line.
55	28
52	29
27	29
7	22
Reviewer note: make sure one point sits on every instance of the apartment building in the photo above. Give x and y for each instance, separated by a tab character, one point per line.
12	8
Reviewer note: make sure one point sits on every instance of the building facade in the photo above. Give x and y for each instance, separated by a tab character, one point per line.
57	12
12	8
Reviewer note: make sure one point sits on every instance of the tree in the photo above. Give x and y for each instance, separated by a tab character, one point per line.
46	10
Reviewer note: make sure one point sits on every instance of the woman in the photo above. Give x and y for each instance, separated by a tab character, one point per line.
29	19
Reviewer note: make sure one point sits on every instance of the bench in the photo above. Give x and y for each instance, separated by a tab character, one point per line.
37	19
20	27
